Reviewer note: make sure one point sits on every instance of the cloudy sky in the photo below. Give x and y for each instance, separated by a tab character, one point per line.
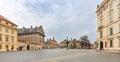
60	18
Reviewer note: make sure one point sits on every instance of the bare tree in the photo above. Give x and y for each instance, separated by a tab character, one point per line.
85	43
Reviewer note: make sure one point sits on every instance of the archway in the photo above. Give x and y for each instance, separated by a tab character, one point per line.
101	45
28	47
7	48
12	48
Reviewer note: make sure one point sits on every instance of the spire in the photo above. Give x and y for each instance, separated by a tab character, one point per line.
67	38
53	38
71	39
40	26
23	27
50	39
30	26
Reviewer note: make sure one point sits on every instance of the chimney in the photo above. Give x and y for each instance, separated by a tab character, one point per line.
31	26
36	27
23	27
40	26
97	6
53	38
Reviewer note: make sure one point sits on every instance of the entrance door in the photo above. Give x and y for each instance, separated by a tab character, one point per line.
101	45
28	47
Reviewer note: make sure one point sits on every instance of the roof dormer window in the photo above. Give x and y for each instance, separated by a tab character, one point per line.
6	23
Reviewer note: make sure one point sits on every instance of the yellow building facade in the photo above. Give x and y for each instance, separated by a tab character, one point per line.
108	25
8	35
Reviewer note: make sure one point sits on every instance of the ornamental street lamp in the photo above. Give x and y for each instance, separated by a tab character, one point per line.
23	45
67	42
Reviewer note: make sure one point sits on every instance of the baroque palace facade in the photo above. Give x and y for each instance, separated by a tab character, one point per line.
8	35
108	25
12	38
31	38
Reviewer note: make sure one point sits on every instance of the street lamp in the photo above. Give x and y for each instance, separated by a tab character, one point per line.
67	42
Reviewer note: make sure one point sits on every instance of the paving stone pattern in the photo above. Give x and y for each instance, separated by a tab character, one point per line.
59	55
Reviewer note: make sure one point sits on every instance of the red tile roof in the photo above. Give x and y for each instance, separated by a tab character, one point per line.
53	41
63	42
6	20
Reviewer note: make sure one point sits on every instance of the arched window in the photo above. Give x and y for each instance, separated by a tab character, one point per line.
0	46
111	43
6	46
12	47
0	28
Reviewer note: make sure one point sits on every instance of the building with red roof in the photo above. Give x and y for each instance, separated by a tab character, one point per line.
51	43
8	35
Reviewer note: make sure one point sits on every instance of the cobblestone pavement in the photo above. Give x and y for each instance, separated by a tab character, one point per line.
59	55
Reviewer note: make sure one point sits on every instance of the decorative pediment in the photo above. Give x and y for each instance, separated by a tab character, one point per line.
100	28
110	38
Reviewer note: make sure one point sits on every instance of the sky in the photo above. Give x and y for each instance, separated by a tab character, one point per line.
59	18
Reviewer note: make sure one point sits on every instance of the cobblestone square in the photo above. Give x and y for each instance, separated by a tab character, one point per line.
59	55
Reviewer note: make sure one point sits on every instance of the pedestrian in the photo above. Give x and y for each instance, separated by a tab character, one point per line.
7	49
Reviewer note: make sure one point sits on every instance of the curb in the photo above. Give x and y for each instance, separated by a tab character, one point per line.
116	52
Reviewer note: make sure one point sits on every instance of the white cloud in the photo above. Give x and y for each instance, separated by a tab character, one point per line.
60	18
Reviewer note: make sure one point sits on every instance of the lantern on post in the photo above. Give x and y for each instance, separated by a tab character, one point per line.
67	42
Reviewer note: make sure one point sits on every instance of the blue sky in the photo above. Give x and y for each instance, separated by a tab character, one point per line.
60	18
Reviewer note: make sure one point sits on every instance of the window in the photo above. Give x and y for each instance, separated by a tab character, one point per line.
6	23
111	31
111	43
12	47
101	22
119	42
0	37
110	18
40	41
31	38
6	38
0	28
12	32
12	25
119	12
96	45
6	46
43	40
0	46
28	38
119	27
6	30
101	34
101	14
12	39
110	6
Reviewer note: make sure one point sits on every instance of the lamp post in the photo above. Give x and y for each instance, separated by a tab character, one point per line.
67	42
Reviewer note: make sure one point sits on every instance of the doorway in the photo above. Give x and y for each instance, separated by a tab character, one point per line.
101	45
28	47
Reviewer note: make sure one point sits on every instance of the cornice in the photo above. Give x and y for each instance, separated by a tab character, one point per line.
14	28
102	5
